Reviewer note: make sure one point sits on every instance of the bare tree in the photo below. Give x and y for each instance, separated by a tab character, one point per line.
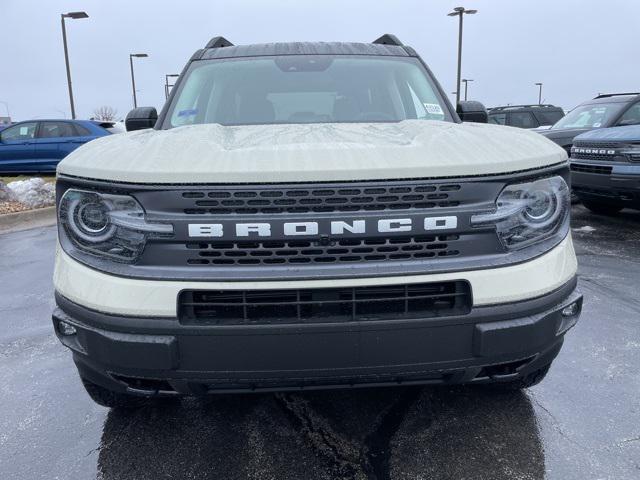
105	114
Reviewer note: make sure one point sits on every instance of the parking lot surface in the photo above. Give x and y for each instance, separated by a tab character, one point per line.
582	422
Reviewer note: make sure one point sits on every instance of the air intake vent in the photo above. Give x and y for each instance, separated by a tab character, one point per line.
324	305
586	168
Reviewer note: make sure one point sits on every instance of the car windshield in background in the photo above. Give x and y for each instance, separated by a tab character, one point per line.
590	116
306	89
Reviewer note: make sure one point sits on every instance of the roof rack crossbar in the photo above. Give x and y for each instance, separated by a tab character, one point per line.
218	42
388	39
605	95
531	105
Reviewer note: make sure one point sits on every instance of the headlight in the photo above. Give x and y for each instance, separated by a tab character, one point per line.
106	225
632	151
530	212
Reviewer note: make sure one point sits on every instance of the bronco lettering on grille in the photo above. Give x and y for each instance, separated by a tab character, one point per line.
337	227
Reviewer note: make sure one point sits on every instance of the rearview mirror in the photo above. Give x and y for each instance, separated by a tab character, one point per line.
141	118
470	111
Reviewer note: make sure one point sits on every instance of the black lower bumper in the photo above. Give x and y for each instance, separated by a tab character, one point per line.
159	356
610	186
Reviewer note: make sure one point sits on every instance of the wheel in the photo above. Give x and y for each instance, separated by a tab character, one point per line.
601	208
527	381
109	398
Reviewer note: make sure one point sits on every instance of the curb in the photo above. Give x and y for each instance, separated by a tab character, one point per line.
39	217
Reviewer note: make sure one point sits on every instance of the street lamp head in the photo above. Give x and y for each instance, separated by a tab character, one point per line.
139	55
460	10
538	83
75	15
467	79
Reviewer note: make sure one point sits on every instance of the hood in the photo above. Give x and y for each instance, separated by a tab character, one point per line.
627	134
310	152
563	136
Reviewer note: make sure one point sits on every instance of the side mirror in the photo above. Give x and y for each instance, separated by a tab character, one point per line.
470	111
141	118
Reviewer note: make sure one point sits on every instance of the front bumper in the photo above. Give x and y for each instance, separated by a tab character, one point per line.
159	356
606	182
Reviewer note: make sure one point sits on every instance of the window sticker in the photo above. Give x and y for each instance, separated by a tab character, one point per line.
188	113
597	125
433	108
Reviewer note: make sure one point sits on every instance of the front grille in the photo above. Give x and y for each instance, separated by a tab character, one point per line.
309	252
603	157
324	305
320	199
586	168
608	145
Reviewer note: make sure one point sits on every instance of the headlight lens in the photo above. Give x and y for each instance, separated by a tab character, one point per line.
530	212
632	151
112	226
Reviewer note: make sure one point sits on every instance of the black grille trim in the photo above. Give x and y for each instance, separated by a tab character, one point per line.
300	252
603	157
321	199
597	145
586	168
324	305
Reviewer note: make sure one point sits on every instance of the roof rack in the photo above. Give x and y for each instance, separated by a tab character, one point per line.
218	42
533	105
605	95
388	39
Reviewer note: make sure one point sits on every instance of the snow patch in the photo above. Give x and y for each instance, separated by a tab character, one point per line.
6	194
33	193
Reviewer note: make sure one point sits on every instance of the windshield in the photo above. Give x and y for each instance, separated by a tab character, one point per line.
305	89
590	116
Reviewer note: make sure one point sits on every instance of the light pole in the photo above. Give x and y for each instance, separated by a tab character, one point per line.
166	83
539	84
133	78
460	12
74	16
466	86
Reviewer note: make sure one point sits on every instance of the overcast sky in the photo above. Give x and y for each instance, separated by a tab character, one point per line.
576	47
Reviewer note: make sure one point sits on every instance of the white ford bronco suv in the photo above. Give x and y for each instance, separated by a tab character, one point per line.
312	215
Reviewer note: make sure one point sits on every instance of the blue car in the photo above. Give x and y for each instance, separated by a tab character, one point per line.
605	169
38	145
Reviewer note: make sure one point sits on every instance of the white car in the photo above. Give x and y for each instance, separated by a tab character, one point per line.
312	215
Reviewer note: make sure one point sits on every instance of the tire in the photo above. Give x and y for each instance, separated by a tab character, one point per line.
518	384
110	399
601	208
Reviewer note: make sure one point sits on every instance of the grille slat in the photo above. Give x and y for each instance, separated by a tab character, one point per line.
587	168
265	200
346	250
333	305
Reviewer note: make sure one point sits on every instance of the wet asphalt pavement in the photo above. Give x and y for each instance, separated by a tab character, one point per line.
582	422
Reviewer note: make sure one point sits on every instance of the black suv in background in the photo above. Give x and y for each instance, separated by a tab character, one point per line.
606	110
525	116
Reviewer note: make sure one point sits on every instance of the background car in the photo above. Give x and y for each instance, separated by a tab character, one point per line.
38	145
605	110
525	116
605	169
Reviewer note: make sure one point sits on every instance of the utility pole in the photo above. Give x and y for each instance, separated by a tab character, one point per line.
466	86
133	78
460	12
167	85
74	16
539	84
